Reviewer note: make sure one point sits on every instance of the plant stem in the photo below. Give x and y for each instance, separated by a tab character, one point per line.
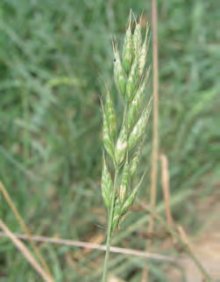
186	246
109	230
155	140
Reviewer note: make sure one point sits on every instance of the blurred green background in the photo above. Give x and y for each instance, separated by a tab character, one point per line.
55	57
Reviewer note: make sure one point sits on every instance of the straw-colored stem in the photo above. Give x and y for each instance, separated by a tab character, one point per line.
155	145
24	227
26	253
166	187
109	230
155	141
180	237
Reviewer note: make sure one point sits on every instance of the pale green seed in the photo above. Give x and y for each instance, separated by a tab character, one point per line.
128	49
136	106
139	129
137	40
132	82
143	54
111	116
129	201
123	189
121	146
107	140
119	73
135	161
107	185
116	215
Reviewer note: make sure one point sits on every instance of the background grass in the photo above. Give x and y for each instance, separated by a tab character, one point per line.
54	58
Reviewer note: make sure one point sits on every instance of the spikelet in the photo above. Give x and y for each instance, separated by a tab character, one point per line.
143	54
128	49
139	129
111	116
107	185
132	82
136	106
121	146
123	188
135	161
119	73
137	40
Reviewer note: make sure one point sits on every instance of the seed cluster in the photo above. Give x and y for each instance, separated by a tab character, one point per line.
123	139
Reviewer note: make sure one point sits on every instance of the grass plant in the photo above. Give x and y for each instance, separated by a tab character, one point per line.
123	138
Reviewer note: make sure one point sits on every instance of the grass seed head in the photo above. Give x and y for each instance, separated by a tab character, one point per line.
130	80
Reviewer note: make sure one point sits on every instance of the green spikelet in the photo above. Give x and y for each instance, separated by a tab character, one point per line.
132	82
111	116
129	201
139	129
137	40
119	73
117	215
136	106
121	146
128	49
123	189
107	185
107	140
143	55
135	161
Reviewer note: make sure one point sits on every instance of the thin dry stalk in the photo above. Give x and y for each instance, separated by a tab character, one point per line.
155	141
25	252
166	187
94	246
181	238
187	243
155	145
24	227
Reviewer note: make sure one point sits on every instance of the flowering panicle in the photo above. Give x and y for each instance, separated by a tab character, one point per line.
123	139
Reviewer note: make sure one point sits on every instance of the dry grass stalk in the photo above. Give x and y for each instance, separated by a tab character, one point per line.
24	227
155	140
94	246
26	253
166	187
179	236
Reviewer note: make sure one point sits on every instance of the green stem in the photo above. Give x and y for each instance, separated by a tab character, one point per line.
109	230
